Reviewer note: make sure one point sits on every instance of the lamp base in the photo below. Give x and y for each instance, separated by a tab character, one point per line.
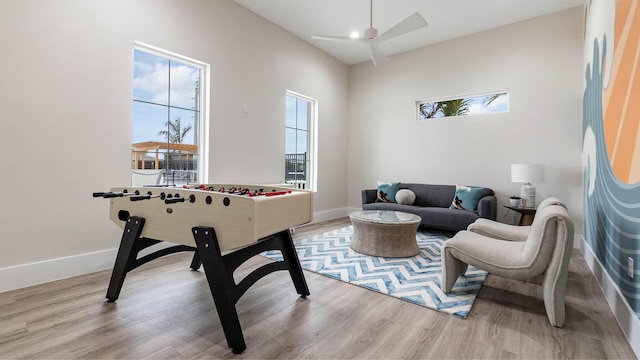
528	195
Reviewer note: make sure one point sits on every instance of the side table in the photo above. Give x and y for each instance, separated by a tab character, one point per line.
526	214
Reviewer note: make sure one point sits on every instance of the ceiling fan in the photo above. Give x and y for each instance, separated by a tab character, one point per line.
411	23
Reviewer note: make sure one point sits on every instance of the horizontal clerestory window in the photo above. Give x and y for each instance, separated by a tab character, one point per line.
459	106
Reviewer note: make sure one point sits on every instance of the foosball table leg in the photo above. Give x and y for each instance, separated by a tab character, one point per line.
221	285
126	256
195	262
293	263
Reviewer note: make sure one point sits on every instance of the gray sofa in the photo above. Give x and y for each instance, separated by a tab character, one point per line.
432	205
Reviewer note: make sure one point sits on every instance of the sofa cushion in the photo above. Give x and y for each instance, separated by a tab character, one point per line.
466	198
391	207
387	192
431	195
445	218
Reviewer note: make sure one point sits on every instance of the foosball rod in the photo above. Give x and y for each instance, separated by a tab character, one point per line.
147	197
109	194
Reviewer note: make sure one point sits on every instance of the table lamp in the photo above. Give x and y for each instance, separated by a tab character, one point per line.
526	174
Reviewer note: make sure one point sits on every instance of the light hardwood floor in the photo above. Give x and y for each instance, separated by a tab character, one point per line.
166	311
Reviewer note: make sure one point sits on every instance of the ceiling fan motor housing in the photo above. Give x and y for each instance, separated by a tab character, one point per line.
371	33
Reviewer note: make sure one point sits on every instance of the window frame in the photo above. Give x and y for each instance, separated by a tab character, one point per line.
312	146
203	101
463	97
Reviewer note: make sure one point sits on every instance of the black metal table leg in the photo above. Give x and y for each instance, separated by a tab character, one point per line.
195	262
221	285
218	269
293	263
126	256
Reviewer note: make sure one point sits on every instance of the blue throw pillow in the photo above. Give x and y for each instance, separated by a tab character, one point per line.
466	198
387	192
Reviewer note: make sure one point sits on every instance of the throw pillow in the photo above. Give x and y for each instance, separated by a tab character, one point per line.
387	192
405	197
466	198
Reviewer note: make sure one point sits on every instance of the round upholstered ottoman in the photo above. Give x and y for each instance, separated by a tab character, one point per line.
384	233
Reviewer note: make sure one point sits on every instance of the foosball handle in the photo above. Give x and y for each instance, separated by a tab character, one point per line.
140	197
173	200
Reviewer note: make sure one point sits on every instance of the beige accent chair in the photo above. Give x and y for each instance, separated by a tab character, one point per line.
503	231
546	251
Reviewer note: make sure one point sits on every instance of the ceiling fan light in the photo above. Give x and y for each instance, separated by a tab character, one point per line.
355	35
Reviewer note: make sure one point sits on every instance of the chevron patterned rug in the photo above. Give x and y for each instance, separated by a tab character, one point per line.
415	279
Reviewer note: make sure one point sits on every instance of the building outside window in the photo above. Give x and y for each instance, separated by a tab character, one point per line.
169	128
300	162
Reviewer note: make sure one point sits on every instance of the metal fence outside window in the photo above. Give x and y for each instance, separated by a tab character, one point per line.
296	169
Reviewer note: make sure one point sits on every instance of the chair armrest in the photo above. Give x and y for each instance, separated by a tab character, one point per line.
499	230
369	196
488	207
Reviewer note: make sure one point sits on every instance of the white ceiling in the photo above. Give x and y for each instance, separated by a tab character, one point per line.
447	19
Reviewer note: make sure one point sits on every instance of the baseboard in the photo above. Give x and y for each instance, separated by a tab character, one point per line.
625	315
20	276
321	216
24	275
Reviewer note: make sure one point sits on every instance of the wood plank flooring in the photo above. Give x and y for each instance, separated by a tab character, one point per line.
165	311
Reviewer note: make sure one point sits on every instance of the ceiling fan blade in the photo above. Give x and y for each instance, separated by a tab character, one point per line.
377	56
413	22
339	38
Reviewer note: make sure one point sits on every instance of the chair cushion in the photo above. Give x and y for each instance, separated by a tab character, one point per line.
500	257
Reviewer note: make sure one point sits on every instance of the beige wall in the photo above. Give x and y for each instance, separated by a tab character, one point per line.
66	70
65	130
537	61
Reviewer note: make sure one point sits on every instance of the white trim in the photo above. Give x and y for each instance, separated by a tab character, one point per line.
20	276
313	138
624	314
329	215
204	101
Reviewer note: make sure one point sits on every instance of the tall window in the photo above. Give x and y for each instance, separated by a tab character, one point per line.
299	141
168	119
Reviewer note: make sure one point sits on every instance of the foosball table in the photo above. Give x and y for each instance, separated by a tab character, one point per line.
240	221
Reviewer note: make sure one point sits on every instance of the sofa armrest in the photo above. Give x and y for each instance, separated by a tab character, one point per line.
488	207
369	196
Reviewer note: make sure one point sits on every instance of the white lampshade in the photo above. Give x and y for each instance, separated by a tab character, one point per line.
527	173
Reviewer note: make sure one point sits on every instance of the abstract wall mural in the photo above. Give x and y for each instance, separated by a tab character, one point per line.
611	139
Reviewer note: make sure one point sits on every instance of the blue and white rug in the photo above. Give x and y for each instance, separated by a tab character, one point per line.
415	279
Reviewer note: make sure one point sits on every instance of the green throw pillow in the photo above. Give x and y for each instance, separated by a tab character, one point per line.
466	198
387	192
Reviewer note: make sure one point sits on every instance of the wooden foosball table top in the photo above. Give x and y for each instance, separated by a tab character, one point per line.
240	214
